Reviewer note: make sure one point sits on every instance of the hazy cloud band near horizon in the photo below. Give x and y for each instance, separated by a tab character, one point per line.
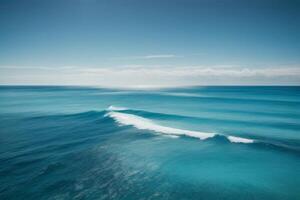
145	76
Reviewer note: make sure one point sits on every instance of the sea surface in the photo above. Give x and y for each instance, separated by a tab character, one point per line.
185	143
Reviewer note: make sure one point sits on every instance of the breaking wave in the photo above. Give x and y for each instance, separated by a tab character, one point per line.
147	124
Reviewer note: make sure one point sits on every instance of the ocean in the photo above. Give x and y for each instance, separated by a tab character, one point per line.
233	142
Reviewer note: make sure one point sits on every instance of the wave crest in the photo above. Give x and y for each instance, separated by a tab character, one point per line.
239	139
146	124
116	108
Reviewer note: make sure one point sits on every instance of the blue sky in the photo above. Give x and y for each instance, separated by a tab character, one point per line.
149	43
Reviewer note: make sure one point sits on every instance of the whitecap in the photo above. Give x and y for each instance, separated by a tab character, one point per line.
239	139
146	124
116	108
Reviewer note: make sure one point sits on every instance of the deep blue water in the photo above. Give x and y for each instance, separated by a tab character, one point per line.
91	143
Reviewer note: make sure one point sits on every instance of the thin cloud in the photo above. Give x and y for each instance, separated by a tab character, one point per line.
155	76
146	57
38	67
196	71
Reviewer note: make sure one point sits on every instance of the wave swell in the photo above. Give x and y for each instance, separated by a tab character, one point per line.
147	124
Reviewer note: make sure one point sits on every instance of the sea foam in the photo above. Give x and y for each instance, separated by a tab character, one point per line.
239	139
147	124
116	108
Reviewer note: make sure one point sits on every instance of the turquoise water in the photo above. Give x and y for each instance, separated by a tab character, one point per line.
187	143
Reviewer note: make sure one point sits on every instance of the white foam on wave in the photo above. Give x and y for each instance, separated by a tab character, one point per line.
146	124
116	108
172	136
239	139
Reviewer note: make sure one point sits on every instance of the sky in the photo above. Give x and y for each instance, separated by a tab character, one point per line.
149	43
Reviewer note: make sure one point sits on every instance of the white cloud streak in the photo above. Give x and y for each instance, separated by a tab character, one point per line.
147	57
137	76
